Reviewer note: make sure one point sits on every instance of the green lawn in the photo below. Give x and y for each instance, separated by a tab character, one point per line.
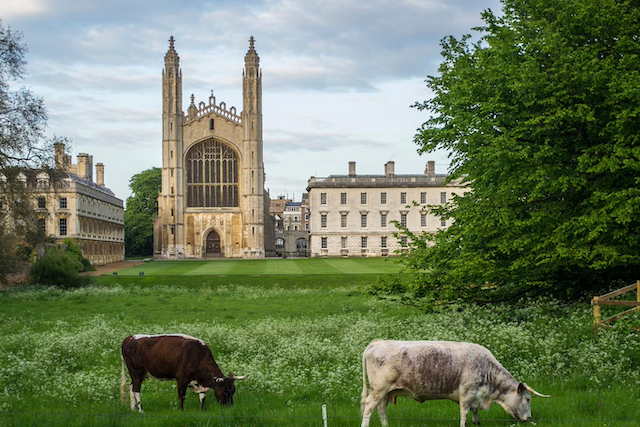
226	267
300	337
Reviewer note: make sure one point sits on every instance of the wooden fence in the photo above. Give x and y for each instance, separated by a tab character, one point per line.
606	299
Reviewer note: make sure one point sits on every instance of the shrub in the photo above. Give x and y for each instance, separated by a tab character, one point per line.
75	250
58	268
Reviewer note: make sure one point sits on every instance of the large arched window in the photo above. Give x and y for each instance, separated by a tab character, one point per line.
212	175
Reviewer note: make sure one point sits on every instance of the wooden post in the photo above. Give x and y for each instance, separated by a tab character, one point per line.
638	293
596	310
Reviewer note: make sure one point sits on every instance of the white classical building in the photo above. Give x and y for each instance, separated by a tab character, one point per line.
353	215
70	205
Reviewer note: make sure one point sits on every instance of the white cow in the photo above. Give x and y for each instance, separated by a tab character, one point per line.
427	370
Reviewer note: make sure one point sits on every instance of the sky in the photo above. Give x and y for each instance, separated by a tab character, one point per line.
339	76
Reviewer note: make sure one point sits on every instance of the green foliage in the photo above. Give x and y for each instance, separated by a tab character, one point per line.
141	208
540	116
75	250
58	268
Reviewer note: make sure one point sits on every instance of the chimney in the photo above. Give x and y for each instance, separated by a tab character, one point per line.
390	169
85	166
61	158
431	168
352	168
100	174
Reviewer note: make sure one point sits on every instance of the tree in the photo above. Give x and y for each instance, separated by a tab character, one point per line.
23	119
541	116
141	208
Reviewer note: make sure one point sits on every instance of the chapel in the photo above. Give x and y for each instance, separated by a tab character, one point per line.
213	203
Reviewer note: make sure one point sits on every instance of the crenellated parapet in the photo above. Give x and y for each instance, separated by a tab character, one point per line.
197	112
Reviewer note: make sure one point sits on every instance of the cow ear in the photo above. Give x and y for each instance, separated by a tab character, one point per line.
230	375
521	387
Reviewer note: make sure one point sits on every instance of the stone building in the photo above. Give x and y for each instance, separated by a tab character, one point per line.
212	202
351	215
70	205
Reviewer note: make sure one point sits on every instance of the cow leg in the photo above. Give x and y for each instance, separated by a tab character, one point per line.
182	391
464	411
476	417
371	402
382	412
134	395
202	396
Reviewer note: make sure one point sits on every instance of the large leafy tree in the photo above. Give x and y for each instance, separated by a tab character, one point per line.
141	208
541	115
23	120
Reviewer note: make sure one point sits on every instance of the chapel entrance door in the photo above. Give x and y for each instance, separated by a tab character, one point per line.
213	248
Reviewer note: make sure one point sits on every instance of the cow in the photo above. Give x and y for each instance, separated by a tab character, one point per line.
428	370
182	358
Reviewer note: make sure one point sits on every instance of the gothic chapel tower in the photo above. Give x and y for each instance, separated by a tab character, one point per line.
212	203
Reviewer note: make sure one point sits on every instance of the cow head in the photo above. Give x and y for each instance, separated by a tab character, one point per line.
517	402
225	388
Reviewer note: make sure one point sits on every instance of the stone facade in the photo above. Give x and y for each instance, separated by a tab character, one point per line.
212	202
70	205
352	215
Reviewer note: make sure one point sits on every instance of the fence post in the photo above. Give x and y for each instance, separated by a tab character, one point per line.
596	310
638	293
324	414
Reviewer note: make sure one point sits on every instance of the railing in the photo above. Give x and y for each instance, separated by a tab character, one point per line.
606	299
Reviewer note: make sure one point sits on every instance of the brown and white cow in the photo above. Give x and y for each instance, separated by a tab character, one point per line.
427	370
177	357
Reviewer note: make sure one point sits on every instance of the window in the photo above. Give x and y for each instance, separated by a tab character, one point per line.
443	197
443	222
343	198
42	225
343	220
211	175
403	197
63	203
403	219
363	242
323	198
423	197
363	198
363	220
295	228
211	127
343	243
403	241
279	243
423	220
383	198
383	242
306	226
295	219
323	243
62	226
42	203
323	221
383	220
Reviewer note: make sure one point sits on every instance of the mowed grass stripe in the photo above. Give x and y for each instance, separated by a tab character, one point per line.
234	267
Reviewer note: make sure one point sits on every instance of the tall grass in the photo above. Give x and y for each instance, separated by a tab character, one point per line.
301	345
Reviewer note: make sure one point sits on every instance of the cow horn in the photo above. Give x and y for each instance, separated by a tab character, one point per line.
535	392
240	378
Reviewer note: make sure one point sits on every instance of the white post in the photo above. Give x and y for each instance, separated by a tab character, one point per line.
324	414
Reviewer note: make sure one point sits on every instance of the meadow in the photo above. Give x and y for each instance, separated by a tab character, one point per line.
300	338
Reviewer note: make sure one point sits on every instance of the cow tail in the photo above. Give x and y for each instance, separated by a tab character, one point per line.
365	389
123	381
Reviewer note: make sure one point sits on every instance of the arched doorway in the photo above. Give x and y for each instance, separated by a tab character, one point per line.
212	246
